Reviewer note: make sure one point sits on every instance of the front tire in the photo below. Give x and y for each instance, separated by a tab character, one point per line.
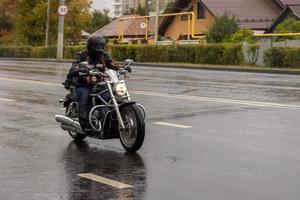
72	112
132	136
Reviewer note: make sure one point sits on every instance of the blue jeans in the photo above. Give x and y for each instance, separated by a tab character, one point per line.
84	99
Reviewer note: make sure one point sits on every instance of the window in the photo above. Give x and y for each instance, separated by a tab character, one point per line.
185	17
201	11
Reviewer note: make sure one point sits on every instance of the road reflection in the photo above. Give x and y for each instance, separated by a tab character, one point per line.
82	157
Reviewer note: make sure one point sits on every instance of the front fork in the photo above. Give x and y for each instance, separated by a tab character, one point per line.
116	107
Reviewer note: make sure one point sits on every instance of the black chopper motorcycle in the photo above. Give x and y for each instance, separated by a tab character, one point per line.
113	115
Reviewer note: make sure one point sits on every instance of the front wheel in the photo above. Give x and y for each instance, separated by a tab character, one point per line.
132	136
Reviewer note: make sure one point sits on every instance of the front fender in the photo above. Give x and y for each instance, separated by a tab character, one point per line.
121	106
139	106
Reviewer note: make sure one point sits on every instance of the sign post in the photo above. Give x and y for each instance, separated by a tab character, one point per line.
62	11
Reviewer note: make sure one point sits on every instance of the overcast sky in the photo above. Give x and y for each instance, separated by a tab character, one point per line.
100	4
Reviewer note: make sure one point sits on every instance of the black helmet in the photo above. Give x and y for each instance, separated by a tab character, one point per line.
95	44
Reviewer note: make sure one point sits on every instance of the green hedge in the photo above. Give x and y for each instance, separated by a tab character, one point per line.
18	52
226	54
282	57
38	52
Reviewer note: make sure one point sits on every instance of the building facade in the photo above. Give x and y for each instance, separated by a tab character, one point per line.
117	8
129	5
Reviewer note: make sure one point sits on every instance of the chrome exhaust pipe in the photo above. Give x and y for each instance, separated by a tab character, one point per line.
69	124
71	128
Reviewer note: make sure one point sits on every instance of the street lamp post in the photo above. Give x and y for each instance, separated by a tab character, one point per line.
60	35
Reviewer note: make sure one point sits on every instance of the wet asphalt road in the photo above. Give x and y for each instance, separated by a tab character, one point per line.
239	138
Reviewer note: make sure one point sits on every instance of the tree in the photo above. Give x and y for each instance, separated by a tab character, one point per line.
141	10
223	28
30	23
289	25
99	19
244	34
7	16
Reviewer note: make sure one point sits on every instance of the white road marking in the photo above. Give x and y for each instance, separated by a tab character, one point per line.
36	82
7	100
106	181
218	100
172	125
175	96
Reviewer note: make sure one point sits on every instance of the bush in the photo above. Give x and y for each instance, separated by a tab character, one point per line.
292	58
71	51
282	57
243	35
44	52
209	54
223	28
274	57
19	52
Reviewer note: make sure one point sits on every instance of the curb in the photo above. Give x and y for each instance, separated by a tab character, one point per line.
228	68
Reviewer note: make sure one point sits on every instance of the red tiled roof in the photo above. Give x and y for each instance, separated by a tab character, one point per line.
131	28
255	14
291	2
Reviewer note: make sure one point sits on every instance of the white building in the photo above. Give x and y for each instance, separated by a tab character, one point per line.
117	8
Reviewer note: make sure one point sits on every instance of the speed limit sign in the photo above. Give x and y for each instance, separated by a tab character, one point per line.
62	10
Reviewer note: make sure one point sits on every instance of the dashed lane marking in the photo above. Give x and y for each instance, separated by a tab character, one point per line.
7	100
106	181
218	100
172	125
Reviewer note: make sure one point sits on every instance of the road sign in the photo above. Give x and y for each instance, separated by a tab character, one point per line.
143	25
62	10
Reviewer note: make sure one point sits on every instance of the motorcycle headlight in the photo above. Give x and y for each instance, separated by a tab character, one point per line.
121	89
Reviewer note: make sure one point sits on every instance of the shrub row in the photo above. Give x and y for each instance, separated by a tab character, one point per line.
38	52
282	57
209	54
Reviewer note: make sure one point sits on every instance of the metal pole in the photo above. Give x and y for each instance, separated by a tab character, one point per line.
60	36
47	24
156	22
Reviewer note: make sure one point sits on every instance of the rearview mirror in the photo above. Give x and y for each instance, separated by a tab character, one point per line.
128	61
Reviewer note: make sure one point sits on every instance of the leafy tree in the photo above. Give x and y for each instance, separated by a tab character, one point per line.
223	28
7	16
244	34
99	19
141	10
77	19
289	25
30	23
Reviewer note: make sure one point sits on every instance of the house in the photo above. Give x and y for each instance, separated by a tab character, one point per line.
291	10
257	15
130	29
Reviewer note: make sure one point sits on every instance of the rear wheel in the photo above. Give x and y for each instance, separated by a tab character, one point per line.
72	112
132	136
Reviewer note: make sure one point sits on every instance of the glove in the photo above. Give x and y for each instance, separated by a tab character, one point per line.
129	69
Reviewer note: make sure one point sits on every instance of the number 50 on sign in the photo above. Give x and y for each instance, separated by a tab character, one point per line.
62	10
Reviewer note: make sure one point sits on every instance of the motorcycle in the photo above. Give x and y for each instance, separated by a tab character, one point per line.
113	114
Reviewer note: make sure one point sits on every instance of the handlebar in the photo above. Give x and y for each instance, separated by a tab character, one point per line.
93	73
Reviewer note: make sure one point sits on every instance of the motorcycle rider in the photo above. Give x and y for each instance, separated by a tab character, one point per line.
95	54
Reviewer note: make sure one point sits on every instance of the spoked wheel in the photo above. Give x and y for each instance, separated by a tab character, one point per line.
72	112
132	136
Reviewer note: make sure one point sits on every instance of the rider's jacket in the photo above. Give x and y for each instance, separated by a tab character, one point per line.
104	60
